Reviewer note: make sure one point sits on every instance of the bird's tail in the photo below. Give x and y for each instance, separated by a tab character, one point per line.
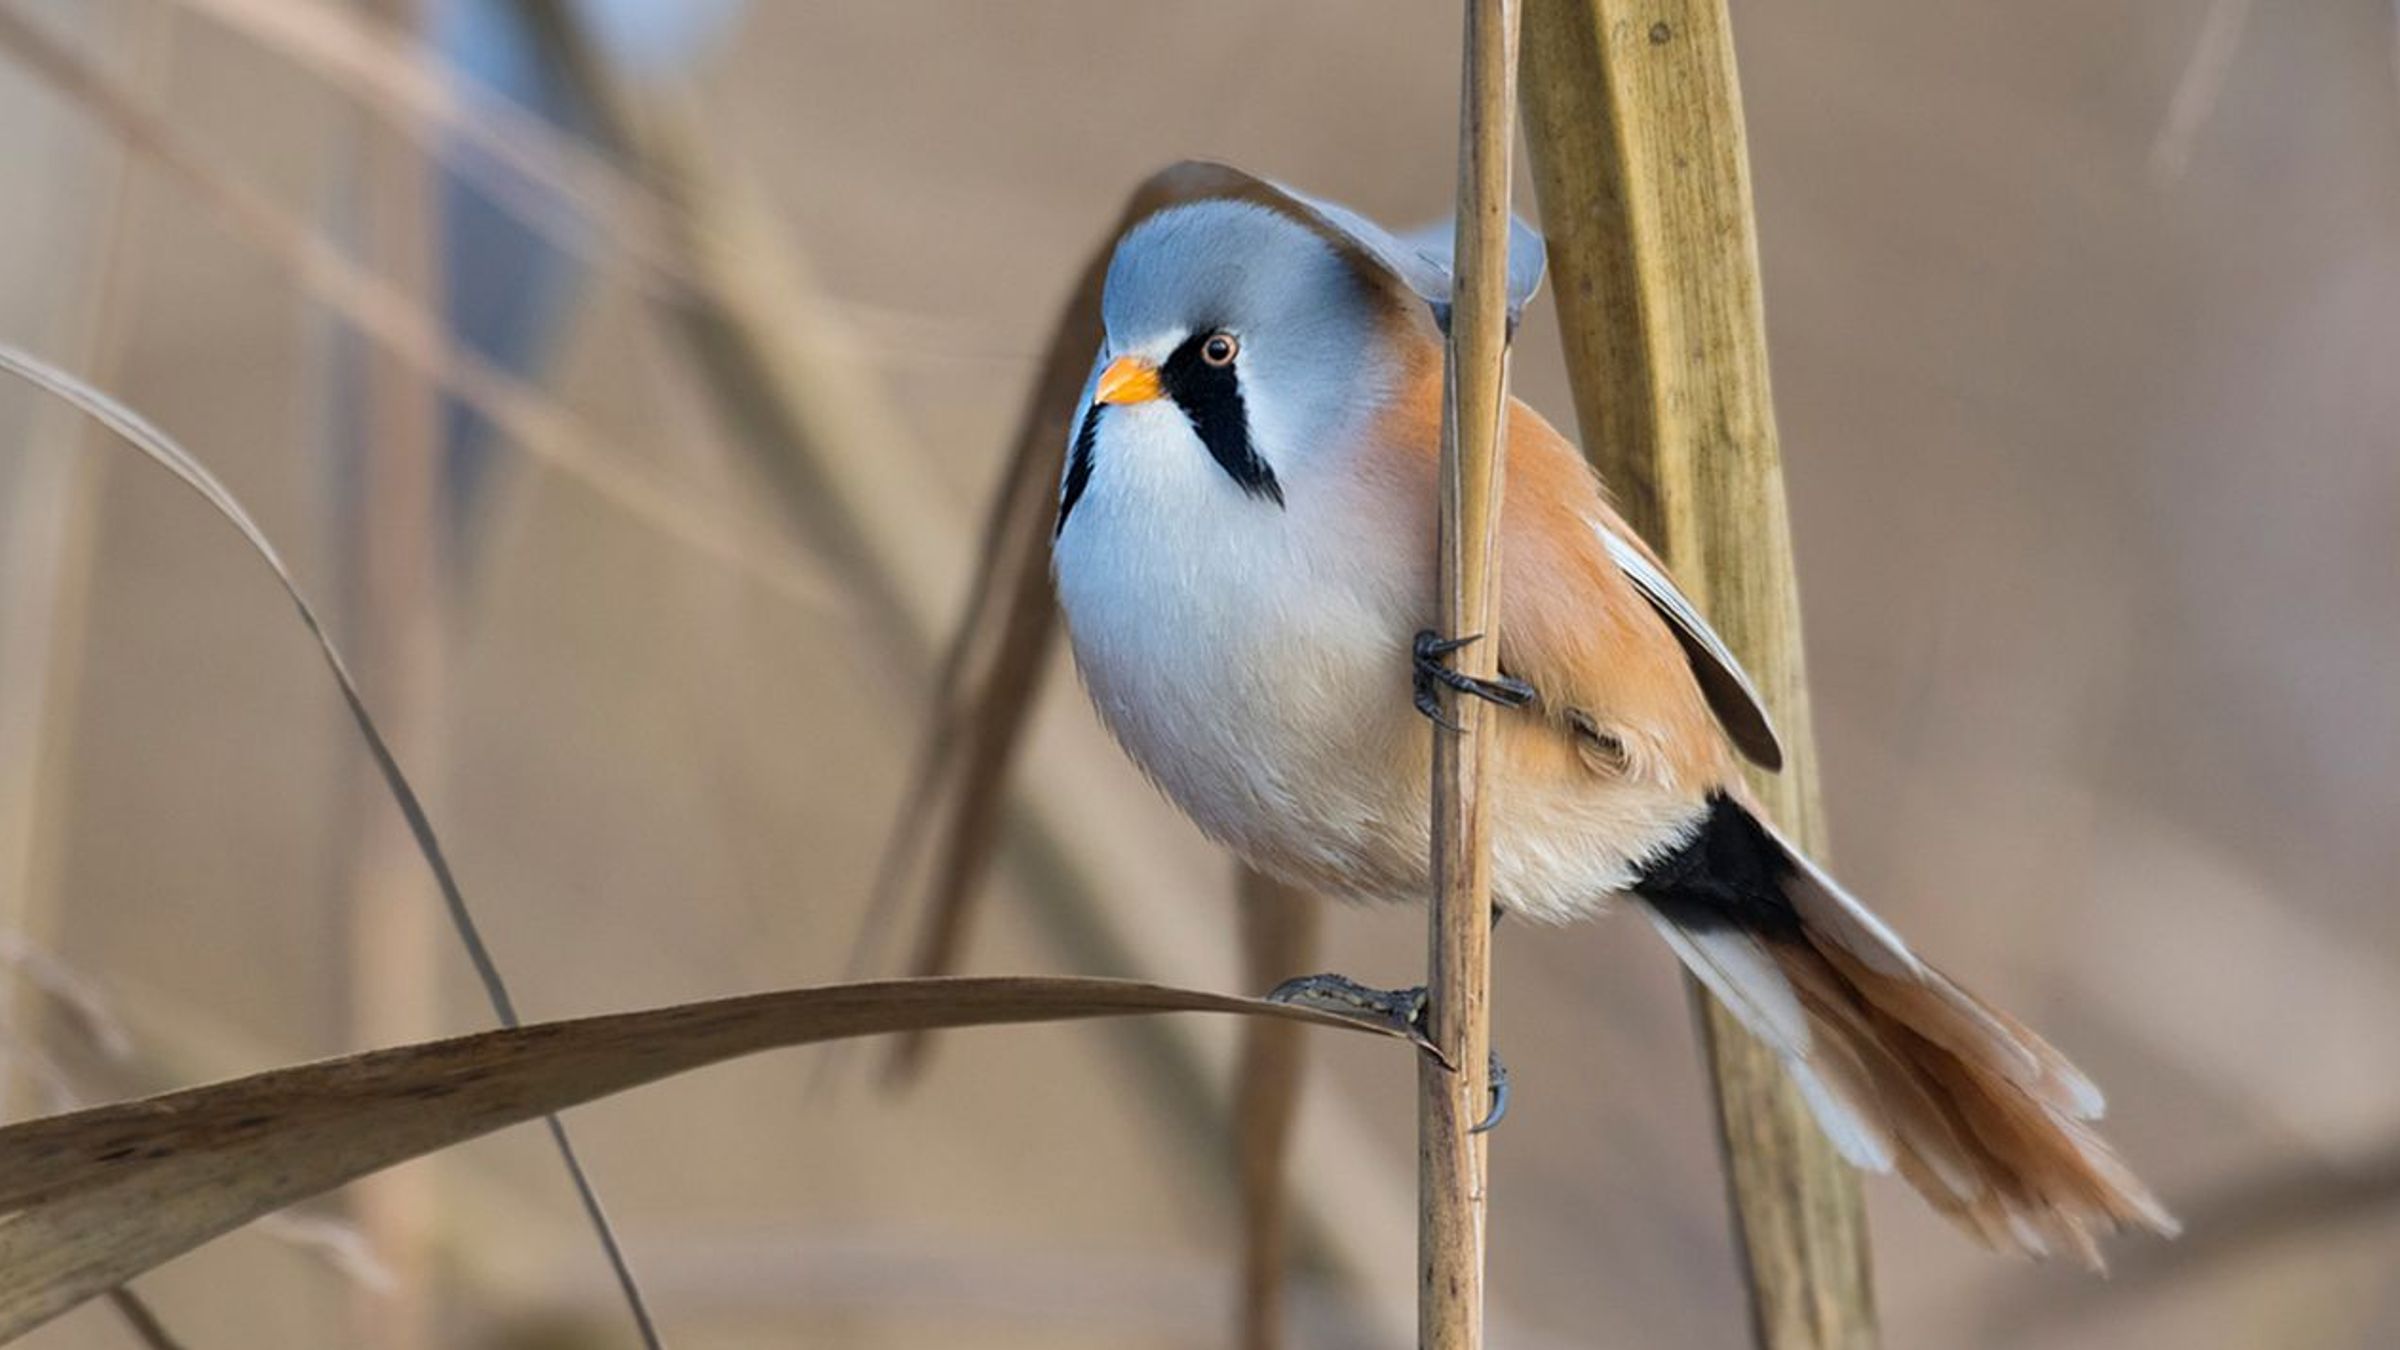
1902	1067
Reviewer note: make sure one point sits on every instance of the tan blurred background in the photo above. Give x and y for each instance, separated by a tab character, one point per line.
2086	330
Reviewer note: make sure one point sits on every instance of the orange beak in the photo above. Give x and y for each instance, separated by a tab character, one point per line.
1129	379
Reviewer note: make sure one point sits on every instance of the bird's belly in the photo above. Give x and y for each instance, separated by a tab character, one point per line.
1281	727
1286	731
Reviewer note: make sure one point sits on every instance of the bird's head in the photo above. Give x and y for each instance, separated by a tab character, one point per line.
1238	337
1250	338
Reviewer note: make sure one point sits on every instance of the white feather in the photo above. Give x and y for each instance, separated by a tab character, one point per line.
1837	914
1861	1140
1744	978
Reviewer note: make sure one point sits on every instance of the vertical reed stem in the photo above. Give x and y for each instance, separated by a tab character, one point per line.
1634	120
1450	1160
389	406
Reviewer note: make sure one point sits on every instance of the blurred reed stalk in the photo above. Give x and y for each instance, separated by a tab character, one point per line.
1634	121
1280	926
388	412
53	537
533	423
1453	1096
572	197
45	584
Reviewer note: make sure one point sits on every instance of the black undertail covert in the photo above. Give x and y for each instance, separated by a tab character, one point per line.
1730	874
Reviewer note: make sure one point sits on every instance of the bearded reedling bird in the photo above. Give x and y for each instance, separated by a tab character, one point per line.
1243	552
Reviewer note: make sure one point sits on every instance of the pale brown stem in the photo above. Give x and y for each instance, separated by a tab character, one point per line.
1453	1097
1279	941
1634	121
393	939
45	580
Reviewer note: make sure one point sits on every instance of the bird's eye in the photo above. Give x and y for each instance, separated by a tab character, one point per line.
1220	349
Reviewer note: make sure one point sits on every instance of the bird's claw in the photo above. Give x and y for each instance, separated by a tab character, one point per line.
1433	672
1497	1076
1404	1010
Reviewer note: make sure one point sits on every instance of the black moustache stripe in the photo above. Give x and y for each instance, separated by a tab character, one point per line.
1211	399
1731	874
1079	468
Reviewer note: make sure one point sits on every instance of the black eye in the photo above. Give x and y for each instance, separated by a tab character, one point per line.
1220	349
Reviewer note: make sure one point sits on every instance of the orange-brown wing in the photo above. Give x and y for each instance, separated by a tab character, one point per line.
1592	621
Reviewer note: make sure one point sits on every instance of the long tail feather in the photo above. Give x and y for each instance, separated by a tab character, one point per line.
1909	1072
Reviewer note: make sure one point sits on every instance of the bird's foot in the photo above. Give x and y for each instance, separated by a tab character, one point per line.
1404	1010
1433	671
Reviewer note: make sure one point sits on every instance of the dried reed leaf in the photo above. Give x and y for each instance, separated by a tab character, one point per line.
1280	924
95	1198
532	422
991	673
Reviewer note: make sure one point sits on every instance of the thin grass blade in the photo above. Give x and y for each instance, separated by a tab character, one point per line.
137	432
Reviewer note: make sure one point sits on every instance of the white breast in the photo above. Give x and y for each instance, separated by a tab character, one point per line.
1253	659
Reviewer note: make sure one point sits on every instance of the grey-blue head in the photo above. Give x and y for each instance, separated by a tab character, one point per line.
1256	329
1270	322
